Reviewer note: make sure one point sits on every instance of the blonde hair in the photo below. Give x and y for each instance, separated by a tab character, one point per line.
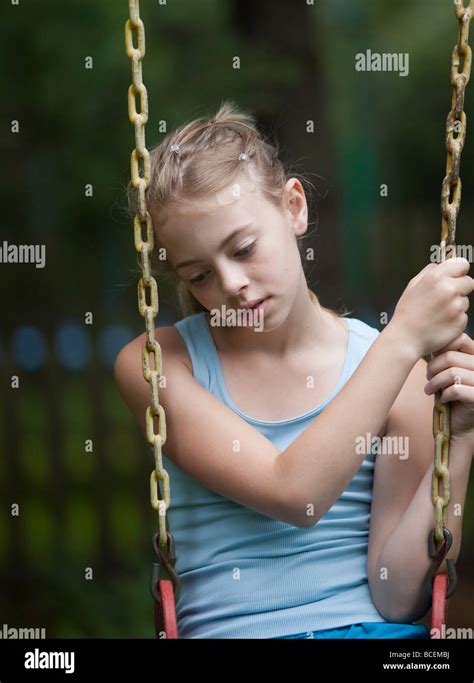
208	161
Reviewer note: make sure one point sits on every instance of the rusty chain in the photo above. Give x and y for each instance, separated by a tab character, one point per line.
451	189
140	161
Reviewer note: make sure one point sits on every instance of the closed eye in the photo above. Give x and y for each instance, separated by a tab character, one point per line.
243	252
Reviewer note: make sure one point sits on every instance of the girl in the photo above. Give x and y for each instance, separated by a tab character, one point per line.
287	524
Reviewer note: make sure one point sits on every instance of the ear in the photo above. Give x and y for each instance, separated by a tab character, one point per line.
295	200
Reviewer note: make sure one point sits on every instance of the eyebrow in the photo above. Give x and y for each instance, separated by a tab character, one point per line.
221	246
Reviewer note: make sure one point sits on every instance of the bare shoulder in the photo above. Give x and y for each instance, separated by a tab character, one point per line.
170	341
128	370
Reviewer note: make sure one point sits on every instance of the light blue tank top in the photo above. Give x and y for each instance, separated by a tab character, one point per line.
247	575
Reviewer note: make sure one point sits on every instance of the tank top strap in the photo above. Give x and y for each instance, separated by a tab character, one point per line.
193	330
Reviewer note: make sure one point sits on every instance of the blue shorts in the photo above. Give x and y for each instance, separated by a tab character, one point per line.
369	629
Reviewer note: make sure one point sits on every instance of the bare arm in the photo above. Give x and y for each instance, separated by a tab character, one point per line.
317	467
227	455
397	578
205	438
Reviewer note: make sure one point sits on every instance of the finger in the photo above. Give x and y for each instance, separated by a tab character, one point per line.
449	377
455	266
465	285
459	392
455	359
462	343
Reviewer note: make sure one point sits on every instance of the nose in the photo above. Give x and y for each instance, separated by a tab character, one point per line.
233	279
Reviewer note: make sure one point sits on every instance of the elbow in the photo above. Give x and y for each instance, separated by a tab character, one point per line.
398	616
302	524
399	612
410	615
304	516
394	615
294	517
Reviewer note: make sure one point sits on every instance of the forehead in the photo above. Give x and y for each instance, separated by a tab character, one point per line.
238	203
240	192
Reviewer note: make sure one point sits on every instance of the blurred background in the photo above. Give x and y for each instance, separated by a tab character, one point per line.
80	509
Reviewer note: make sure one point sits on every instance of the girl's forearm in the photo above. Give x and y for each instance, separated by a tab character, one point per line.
397	581
320	463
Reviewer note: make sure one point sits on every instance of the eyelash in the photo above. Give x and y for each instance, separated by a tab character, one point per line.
247	251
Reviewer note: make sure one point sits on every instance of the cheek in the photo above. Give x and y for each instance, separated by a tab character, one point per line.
272	256
265	266
275	260
287	259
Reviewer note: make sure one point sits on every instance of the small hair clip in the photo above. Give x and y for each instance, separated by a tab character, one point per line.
244	157
175	149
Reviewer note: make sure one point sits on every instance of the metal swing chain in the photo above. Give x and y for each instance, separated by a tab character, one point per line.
162	541
455	137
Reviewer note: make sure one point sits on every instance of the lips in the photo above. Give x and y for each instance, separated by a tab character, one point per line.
253	304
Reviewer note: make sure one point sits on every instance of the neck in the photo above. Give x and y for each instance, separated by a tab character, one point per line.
308	326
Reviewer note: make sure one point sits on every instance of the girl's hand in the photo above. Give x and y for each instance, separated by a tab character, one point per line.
451	370
431	312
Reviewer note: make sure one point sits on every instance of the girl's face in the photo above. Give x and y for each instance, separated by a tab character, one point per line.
237	248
